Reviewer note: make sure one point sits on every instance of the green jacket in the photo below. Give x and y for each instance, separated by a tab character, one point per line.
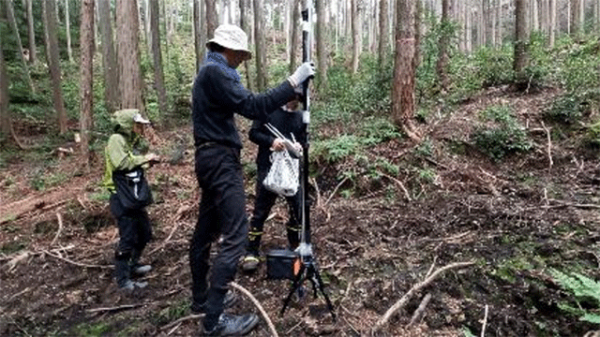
124	148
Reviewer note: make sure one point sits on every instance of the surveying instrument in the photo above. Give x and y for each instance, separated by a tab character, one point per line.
305	266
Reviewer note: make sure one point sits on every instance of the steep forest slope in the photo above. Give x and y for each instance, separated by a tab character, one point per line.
398	212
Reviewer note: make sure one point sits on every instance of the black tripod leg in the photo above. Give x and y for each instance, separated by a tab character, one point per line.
319	282
298	280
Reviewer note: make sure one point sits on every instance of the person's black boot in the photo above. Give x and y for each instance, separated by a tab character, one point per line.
231	325
138	269
228	302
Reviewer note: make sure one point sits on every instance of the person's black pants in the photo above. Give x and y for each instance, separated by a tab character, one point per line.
222	213
265	200
134	234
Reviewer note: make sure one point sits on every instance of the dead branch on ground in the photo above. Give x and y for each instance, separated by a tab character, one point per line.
398	182
257	304
77	263
60	228
419	312
119	308
402	302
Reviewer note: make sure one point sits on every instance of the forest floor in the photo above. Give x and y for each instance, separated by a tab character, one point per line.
515	220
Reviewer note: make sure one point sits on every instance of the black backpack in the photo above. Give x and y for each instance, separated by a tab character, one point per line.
132	188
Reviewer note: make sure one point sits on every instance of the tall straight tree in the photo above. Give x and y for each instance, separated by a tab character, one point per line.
552	22
403	89
356	41
576	27
31	32
384	26
68	30
212	19
443	44
520	57
52	54
199	32
295	34
321	44
87	44
10	13
109	57
244	26
259	35
130	81
159	78
4	112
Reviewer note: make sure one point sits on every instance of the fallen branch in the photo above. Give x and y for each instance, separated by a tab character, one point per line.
179	321
402	302
335	190
60	227
121	307
549	149
398	182
485	317
419	312
77	263
257	304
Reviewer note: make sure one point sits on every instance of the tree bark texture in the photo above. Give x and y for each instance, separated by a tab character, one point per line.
109	57
87	44
295	35
198	33
575	18
10	13
244	26
403	90
259	34
54	63
159	77
130	81
384	26
443	43
4	112
68	30
552	22
322	38
520	58
31	32
211	18
356	43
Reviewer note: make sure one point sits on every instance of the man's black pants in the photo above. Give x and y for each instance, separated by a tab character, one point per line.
265	200
222	213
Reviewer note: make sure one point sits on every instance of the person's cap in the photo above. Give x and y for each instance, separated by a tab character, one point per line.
231	37
138	118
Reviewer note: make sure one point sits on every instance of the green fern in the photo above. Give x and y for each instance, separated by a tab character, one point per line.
580	286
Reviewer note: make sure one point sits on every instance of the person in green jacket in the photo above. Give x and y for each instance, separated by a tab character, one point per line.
123	155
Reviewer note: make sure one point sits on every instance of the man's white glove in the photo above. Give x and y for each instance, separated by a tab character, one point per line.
304	71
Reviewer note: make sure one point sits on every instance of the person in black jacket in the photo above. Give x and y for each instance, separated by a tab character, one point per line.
217	94
289	122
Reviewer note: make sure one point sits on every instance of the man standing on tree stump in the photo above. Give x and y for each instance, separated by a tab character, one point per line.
217	94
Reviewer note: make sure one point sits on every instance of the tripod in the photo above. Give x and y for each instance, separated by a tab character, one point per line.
305	265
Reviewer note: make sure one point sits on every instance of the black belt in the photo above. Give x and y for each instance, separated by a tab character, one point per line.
206	145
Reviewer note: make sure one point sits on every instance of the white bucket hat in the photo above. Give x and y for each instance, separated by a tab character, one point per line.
231	37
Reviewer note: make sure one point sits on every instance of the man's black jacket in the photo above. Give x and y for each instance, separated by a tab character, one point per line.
218	94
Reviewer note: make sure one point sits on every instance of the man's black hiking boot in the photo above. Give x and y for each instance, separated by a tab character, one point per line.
228	302
232	325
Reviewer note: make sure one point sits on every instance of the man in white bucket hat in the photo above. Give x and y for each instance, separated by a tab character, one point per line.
217	94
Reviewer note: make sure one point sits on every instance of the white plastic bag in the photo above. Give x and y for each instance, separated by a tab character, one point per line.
283	177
